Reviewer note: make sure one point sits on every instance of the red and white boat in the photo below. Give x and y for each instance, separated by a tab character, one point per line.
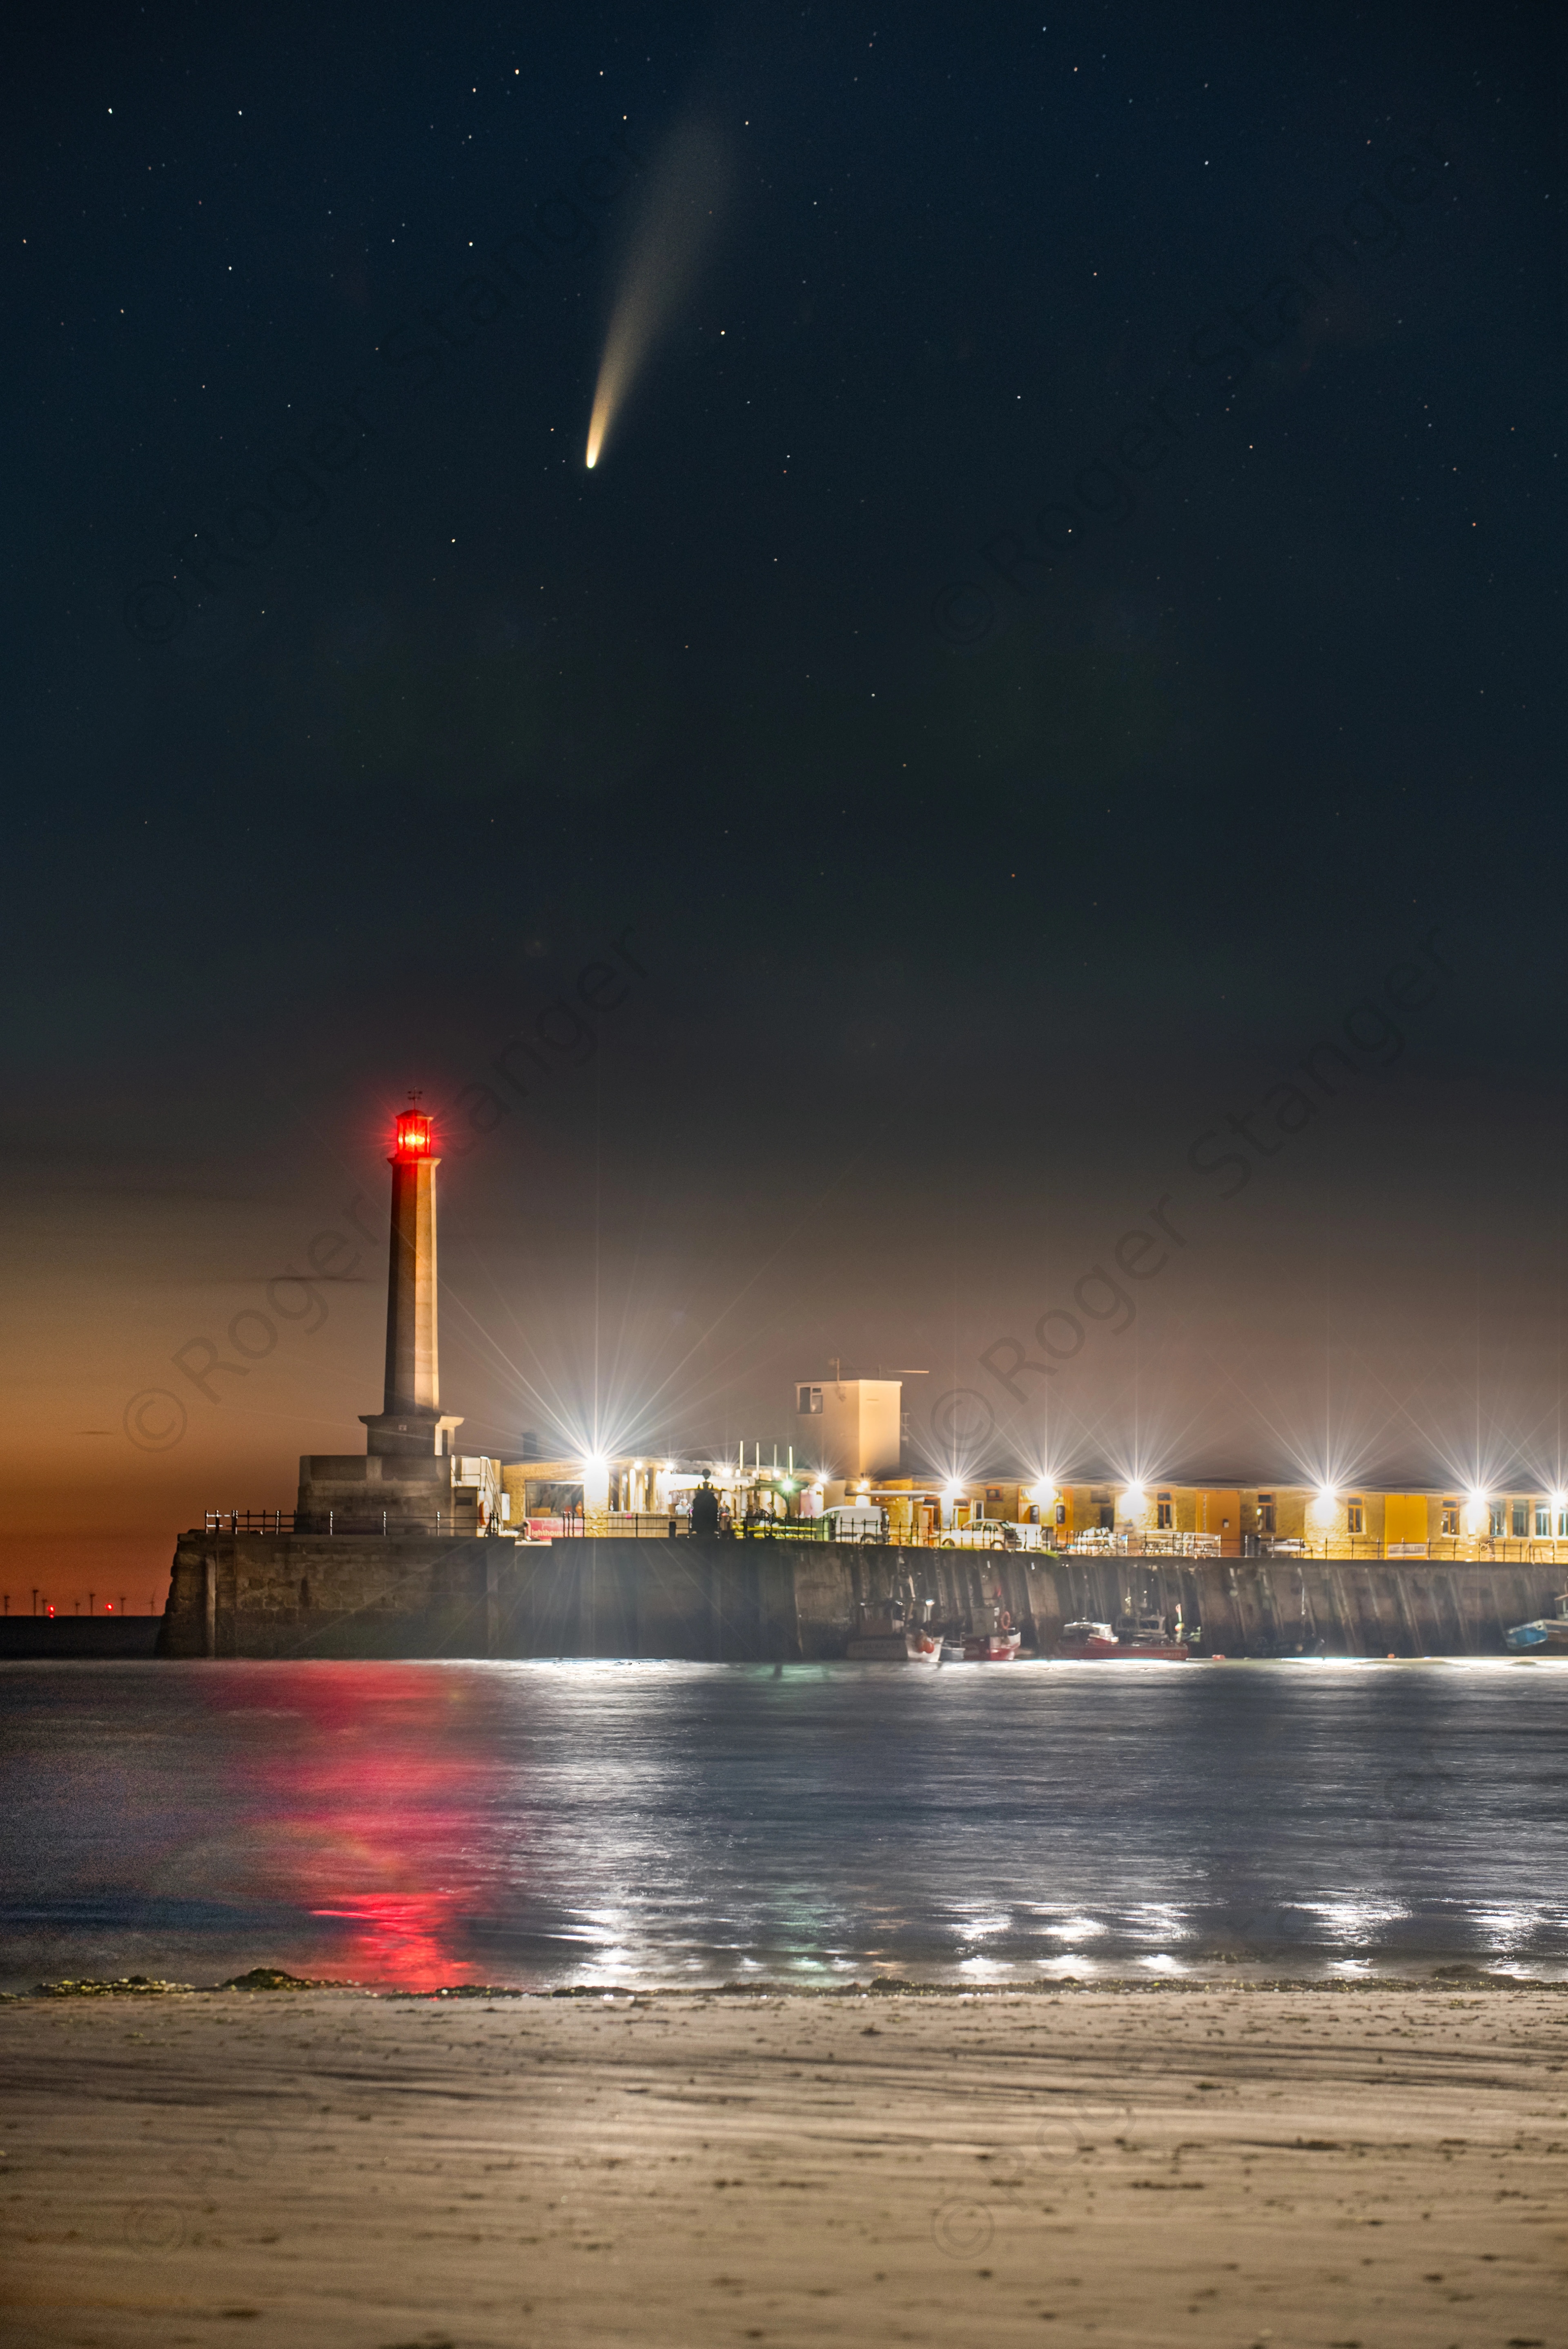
997	1645
885	1637
1088	1643
992	1647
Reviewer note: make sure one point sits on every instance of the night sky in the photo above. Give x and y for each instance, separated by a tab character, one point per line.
1067	629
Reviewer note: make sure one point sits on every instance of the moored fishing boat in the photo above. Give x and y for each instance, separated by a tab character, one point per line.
998	1642
1091	1642
1547	1634
885	1636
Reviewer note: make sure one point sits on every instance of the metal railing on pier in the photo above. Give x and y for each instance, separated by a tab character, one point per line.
1090	1542
625	1524
446	1524
1099	1542
1463	1549
599	1525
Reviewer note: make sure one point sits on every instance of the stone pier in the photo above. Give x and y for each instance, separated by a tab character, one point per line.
407	1595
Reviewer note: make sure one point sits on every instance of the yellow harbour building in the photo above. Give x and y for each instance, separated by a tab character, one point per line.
845	1469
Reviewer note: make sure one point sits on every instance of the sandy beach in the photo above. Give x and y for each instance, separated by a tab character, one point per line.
1366	2166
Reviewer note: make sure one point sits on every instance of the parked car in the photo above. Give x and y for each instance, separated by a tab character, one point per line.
991	1533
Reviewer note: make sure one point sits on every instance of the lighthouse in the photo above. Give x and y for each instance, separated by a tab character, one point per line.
406	1480
398	1549
410	1421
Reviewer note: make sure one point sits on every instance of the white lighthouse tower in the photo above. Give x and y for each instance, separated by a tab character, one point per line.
403	1482
410	1422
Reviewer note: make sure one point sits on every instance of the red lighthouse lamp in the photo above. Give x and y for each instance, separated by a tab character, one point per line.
415	1139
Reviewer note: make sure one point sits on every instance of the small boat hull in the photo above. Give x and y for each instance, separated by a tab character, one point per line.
993	1648
1123	1652
1549	1636
895	1647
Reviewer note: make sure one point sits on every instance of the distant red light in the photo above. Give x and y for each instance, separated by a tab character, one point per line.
414	1134
109	1607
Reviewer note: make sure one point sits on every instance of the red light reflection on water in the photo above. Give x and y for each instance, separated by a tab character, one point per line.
362	1804
402	1937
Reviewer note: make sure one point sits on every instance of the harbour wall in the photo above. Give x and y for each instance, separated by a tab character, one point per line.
288	1595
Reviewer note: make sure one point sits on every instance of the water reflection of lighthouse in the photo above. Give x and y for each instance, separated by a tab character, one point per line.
364	1820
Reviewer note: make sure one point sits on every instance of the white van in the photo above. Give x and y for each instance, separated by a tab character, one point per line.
857	1521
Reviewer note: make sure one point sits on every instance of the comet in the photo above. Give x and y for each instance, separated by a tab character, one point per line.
673	237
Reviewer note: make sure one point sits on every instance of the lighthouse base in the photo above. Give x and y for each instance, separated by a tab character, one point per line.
364	1594
408	1434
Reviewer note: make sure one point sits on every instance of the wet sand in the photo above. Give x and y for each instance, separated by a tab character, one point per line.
1351	2168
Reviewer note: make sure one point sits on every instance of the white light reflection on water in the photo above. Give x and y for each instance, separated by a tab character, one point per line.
1352	1920
1507	1923
1509	1931
635	1823
1155	1920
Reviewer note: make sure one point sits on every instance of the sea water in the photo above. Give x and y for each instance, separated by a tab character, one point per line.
600	1824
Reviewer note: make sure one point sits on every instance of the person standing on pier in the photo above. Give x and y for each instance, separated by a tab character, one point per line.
705	1507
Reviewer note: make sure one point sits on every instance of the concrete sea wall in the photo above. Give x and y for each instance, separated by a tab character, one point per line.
1336	1607
310	1595
265	1595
